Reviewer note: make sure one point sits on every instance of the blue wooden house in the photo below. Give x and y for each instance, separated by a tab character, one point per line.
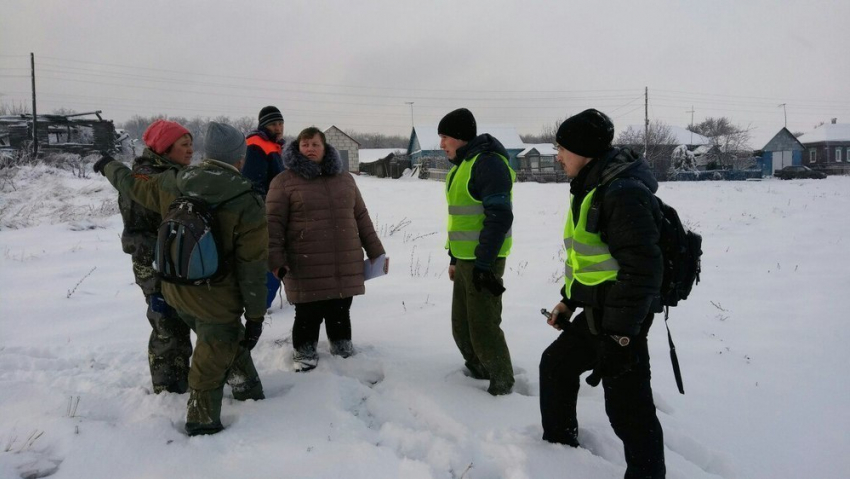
784	149
425	143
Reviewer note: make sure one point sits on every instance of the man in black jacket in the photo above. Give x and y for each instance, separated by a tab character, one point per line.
613	272
478	193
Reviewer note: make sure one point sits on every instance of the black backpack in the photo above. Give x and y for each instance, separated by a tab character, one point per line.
682	252
187	250
681	249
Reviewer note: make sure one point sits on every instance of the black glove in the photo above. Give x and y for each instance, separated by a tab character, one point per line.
486	279
253	330
101	164
614	360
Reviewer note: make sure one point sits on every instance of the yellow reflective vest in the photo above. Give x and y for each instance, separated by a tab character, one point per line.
588	259
466	214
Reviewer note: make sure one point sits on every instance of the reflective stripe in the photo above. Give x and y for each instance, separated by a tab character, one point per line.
607	265
585	249
471	235
466	210
463	235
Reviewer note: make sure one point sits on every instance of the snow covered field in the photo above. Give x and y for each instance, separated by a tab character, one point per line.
762	343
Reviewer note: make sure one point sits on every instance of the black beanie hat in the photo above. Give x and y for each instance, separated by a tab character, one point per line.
268	115
587	134
458	124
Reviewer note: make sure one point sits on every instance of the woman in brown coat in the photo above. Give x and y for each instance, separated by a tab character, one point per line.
318	229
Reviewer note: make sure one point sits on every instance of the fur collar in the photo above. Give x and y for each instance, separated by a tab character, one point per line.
293	160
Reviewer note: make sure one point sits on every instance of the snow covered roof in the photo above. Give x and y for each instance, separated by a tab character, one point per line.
371	155
828	132
545	149
682	136
507	135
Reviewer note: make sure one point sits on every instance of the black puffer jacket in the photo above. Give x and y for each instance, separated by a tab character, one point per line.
629	224
490	183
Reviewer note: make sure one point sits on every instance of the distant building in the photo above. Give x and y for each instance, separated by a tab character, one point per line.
383	162
784	149
537	163
348	148
425	143
828	148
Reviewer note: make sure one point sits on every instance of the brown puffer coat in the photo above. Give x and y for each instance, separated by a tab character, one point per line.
318	228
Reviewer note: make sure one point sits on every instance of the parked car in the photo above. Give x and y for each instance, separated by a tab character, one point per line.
797	172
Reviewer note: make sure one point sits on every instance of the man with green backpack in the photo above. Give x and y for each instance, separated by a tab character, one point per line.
210	293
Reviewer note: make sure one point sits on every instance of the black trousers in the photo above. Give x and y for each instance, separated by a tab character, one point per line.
628	398
309	316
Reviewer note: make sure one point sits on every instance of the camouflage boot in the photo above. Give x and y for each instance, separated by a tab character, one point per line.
203	412
243	378
169	347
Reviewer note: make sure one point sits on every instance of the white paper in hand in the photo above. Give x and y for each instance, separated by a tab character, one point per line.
371	270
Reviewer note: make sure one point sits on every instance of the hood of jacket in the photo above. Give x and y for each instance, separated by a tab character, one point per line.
152	158
330	165
212	181
483	143
616	163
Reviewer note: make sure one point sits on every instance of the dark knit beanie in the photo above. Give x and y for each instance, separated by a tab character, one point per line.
268	115
587	134
459	124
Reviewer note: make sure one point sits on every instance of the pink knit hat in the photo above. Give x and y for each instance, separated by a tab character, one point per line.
162	134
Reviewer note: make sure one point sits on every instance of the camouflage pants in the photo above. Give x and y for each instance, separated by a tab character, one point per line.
218	359
169	347
476	320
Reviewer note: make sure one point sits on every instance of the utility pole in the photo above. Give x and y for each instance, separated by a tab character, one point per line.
34	116
785	113
646	124
691	111
412	125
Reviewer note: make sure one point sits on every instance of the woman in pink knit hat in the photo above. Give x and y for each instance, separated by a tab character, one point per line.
168	145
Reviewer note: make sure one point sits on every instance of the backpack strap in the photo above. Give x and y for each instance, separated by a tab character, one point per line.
673	357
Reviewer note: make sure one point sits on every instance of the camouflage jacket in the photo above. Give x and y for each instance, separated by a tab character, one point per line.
242	234
140	224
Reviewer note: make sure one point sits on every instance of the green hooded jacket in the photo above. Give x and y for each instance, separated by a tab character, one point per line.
242	232
140	224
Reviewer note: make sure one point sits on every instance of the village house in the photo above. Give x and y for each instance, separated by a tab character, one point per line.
828	148
348	148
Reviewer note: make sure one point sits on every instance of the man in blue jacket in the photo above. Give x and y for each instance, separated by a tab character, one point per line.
263	161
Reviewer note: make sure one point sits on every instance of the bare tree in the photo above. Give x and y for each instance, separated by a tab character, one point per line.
658	142
379	140
19	108
245	124
547	134
729	142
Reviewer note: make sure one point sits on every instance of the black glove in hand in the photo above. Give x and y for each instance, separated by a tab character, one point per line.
614	361
101	164
253	330
486	279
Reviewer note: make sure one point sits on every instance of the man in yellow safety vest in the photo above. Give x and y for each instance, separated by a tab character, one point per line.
478	193
613	272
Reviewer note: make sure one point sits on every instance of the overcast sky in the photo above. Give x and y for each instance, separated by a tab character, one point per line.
358	64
